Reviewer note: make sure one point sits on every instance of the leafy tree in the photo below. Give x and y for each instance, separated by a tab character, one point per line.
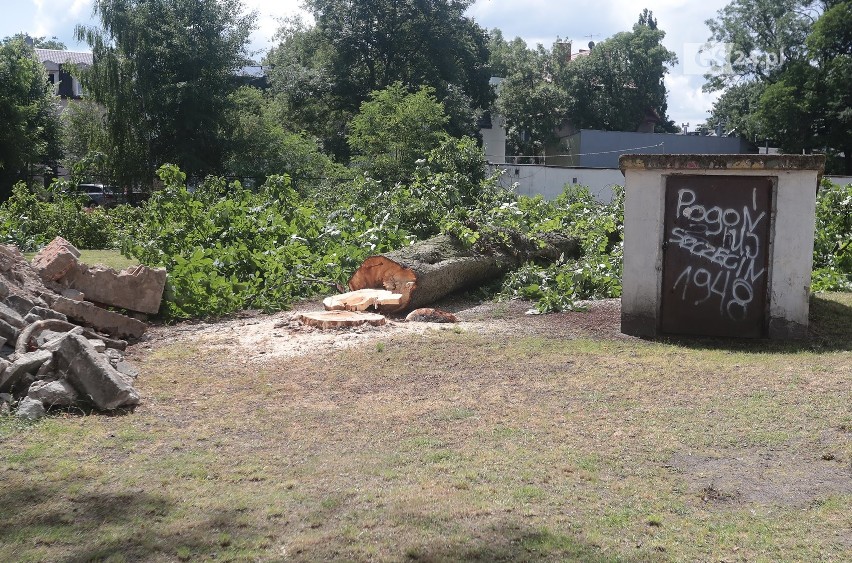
611	88
647	18
764	36
163	70
802	102
38	42
619	81
736	107
830	45
299	72
358	47
260	146
30	132
86	144
395	129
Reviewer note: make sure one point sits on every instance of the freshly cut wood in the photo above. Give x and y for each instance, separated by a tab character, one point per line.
361	300
341	319
429	315
431	269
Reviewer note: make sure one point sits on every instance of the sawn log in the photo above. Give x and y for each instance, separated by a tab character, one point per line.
431	269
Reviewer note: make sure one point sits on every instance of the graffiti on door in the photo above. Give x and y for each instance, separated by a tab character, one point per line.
716	242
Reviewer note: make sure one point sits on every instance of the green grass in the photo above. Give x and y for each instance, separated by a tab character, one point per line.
454	446
110	258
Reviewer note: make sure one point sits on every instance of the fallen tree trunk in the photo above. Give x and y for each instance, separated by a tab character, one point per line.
431	269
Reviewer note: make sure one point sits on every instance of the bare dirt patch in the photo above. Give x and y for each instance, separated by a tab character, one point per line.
764	477
257	338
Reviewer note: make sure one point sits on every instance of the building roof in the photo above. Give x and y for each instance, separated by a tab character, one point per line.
63	57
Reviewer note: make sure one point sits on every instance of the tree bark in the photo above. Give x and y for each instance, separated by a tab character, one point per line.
431	269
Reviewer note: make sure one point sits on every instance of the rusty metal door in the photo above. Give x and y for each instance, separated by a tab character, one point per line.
716	255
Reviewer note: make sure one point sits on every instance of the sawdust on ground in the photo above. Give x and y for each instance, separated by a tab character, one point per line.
256	338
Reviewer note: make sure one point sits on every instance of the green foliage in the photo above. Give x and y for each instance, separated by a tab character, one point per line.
611	88
227	247
596	274
30	132
29	221
163	70
450	178
514	224
832	269
259	145
371	45
789	74
395	129
756	30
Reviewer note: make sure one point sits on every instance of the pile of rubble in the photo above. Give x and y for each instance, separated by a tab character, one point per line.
59	344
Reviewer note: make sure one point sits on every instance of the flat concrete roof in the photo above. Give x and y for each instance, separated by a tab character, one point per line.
733	162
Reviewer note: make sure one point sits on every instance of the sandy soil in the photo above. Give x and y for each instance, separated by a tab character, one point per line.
258	338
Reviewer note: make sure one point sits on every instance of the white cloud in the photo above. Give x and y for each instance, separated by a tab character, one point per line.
688	103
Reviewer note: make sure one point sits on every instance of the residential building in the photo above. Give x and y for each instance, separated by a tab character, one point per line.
58	65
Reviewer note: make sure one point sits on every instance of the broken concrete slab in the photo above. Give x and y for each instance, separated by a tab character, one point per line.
24	364
55	260
58	393
18	276
8	332
53	344
30	409
72	294
11	316
138	288
45	313
100	319
93	376
24	305
127	369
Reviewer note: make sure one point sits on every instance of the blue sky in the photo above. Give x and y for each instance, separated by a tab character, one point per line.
536	21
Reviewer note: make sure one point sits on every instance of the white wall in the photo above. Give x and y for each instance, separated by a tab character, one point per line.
549	181
842	180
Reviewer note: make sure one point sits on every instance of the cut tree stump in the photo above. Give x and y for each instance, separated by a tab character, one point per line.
341	319
361	300
431	269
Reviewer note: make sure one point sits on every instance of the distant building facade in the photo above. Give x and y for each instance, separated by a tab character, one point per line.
591	148
58	64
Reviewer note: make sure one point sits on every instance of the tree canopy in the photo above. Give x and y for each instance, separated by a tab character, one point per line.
30	136
163	69
789	76
394	129
326	71
612	87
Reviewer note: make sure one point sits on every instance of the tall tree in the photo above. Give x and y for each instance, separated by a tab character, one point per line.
394	129
800	97
163	69
763	35
612	88
30	133
260	145
359	46
620	81
38	42
736	108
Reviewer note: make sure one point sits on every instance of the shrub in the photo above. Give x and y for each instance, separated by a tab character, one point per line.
30	221
832	269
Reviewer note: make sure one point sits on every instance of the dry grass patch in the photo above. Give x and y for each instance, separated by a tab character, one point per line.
562	443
